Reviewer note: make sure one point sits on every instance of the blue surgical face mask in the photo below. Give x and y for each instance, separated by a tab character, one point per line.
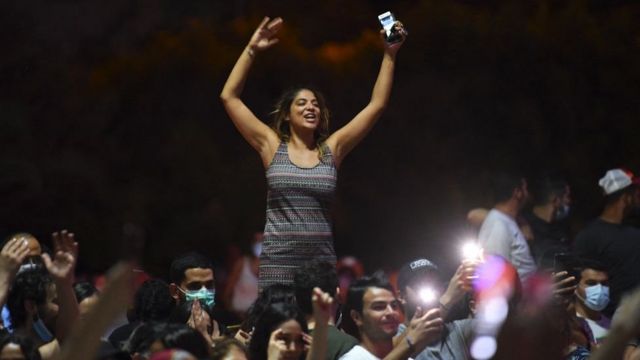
596	297
207	297
41	329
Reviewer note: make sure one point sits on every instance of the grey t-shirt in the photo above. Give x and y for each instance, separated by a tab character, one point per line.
454	344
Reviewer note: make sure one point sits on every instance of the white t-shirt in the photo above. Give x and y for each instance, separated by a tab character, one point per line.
500	235
599	328
358	353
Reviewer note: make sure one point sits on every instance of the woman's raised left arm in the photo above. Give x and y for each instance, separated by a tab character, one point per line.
346	138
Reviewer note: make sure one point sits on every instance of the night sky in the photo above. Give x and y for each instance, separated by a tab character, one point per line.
111	124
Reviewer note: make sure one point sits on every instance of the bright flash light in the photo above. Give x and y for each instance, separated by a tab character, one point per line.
471	251
484	347
427	295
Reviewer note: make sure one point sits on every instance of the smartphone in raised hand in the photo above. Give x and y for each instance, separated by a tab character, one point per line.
388	21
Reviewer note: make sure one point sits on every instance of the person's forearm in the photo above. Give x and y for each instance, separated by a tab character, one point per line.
382	88
320	342
235	83
5	284
614	347
68	312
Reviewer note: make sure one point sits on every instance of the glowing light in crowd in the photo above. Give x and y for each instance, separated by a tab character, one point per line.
484	347
471	251
495	310
427	295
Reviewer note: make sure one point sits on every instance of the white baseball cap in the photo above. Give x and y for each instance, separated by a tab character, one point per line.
617	179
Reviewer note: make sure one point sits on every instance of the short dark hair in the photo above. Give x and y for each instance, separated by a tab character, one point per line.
587	263
545	187
153	301
27	346
185	262
359	287
503	184
28	285
274	315
316	273
84	290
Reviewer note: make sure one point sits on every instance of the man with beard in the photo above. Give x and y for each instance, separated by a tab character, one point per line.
610	241
500	234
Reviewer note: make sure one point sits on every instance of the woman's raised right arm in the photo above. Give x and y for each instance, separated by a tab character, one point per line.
259	135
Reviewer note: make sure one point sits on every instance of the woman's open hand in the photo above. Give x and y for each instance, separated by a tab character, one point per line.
265	35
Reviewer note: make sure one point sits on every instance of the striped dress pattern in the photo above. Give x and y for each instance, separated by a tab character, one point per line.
298	226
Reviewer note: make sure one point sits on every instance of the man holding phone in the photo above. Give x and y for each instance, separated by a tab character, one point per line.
420	278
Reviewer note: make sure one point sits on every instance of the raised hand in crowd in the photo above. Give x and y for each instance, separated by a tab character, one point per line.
12	255
65	256
84	339
564	287
322	306
265	35
61	268
460	284
425	328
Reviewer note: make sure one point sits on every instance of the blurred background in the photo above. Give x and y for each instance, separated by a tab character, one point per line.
110	123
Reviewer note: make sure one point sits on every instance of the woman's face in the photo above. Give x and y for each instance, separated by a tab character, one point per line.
11	351
304	112
292	336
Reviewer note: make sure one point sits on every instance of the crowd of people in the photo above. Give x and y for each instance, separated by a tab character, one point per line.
524	289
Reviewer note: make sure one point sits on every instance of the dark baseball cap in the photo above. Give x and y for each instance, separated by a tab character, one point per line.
414	269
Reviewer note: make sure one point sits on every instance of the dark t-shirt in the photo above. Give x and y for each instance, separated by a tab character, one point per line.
618	248
339	343
548	238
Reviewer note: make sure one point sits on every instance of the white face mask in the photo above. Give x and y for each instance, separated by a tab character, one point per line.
596	297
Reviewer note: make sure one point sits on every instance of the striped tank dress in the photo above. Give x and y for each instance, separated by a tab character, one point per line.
298	224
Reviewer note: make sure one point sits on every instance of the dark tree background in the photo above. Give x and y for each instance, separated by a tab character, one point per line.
110	122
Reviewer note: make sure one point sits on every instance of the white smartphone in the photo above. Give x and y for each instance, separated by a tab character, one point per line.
387	20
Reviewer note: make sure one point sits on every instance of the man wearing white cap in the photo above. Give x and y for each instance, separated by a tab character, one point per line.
609	241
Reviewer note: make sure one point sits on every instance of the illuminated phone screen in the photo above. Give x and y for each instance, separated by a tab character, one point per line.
387	20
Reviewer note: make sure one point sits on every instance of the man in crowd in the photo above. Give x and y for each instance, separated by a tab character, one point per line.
376	312
192	278
419	285
608	240
551	205
323	275
500	234
592	296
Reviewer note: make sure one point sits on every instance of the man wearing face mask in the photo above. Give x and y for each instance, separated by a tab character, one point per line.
192	279
609	240
592	296
547	217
